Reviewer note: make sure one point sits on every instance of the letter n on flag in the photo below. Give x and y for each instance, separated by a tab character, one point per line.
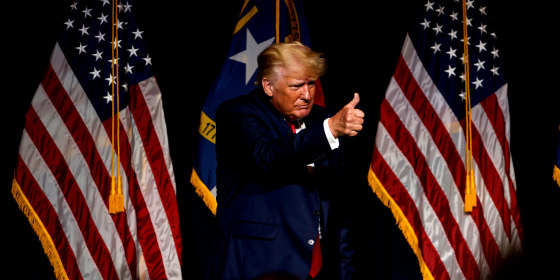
64	169
418	163
261	23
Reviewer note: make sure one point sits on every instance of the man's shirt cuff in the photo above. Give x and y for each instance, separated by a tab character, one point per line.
333	142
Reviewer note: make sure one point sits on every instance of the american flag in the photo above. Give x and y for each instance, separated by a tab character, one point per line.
418	163
261	23
62	179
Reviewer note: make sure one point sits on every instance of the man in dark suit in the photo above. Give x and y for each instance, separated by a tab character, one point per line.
279	169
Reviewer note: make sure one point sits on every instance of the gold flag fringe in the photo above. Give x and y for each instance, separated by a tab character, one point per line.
402	222
204	192
40	230
556	175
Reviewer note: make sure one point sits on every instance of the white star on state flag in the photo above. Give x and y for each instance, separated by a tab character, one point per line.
249	56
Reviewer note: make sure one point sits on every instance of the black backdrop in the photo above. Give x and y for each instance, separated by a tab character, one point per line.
188	41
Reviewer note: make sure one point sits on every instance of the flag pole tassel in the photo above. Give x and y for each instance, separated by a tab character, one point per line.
116	199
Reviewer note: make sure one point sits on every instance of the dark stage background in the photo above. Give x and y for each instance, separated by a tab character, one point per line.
188	42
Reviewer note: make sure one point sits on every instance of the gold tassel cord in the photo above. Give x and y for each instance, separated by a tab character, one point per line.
120	198
470	187
113	190
116	199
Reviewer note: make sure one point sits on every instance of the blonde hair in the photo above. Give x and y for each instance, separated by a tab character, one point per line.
282	54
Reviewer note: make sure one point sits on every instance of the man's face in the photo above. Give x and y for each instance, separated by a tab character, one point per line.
291	91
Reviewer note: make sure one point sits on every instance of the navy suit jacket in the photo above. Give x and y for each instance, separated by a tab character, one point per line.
270	205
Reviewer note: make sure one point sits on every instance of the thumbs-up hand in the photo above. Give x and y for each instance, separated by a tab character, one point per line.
354	102
349	120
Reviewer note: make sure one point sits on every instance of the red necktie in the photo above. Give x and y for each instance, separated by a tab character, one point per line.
292	126
316	260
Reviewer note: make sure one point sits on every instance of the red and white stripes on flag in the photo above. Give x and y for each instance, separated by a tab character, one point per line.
418	171
62	182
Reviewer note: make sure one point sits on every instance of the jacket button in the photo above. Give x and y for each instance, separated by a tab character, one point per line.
316	212
311	242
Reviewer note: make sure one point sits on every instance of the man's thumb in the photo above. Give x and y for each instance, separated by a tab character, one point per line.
354	101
